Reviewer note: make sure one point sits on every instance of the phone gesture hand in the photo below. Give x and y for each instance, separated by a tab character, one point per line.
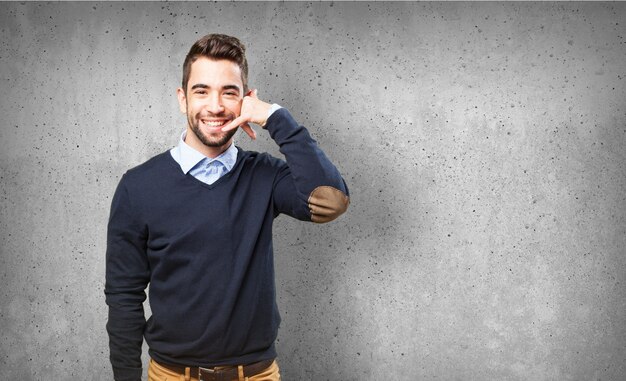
253	110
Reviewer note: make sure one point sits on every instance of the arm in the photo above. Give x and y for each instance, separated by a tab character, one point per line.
127	275
309	187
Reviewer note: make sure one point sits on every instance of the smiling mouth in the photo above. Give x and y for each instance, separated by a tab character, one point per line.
214	124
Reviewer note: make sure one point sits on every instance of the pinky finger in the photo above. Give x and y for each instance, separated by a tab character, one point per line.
251	133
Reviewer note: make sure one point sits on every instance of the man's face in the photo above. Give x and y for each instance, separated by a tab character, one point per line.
213	98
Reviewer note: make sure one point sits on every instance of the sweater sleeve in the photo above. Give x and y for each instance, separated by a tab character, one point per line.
309	187
127	275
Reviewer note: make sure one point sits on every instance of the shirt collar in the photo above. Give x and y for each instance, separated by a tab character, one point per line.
187	157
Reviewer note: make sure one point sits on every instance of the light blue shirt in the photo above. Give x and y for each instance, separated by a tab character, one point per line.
203	168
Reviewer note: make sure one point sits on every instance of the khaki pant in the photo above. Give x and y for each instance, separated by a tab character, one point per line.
158	373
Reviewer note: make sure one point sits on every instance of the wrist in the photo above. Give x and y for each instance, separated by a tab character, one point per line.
273	108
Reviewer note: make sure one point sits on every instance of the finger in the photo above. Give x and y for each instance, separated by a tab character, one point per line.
234	123
248	130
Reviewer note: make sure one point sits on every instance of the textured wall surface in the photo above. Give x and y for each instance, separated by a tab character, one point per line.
484	145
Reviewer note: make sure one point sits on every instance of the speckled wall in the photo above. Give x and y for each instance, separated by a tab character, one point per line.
484	145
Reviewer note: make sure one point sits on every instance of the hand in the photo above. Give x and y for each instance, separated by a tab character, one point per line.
253	110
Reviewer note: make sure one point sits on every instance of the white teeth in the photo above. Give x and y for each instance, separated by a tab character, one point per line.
213	124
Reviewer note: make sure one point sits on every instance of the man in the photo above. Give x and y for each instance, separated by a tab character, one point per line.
195	224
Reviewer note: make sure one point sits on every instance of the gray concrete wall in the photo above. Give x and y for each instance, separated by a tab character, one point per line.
484	145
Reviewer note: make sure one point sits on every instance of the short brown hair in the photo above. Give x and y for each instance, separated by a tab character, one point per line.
216	47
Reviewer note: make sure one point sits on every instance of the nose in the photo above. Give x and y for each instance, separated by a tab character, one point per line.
214	104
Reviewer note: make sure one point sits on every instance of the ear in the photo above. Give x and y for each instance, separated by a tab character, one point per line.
182	100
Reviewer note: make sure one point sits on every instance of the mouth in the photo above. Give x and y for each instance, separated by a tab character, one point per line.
214	124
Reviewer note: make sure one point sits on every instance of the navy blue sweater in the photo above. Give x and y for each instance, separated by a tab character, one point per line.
206	252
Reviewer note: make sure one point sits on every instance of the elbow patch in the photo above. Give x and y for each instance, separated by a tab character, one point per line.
327	203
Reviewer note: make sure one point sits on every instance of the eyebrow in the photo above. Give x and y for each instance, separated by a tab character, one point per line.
226	87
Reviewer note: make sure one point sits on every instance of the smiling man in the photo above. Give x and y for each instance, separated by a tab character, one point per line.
195	225
213	100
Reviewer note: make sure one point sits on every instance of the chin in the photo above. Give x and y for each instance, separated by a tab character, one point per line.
216	139
217	142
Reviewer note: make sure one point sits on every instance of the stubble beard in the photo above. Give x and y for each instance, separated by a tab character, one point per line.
212	140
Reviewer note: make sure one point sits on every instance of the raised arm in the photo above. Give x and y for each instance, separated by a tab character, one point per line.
127	275
309	187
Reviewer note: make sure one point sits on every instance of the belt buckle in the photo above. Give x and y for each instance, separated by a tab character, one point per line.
208	374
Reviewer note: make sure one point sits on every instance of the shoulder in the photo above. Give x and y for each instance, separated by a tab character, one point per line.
260	160
155	166
261	167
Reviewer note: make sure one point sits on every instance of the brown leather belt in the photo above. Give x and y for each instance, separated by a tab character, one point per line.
220	373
